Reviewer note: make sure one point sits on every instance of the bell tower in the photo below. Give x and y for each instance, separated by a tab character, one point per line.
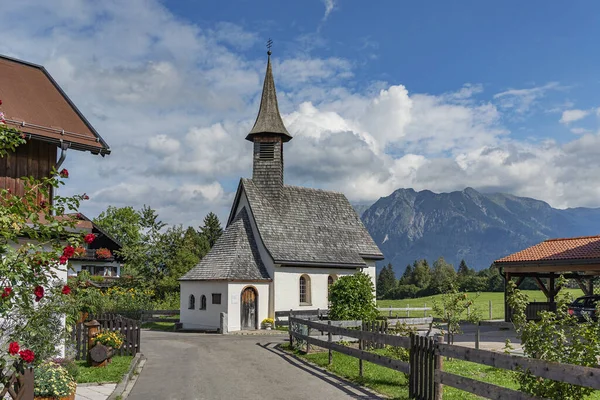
268	135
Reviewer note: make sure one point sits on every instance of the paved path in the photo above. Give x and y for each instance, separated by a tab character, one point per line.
193	366
94	392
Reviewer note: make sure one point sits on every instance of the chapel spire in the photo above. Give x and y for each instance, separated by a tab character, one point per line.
269	120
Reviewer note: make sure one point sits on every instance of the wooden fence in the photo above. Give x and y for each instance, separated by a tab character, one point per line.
282	317
17	383
160	316
129	328
425	366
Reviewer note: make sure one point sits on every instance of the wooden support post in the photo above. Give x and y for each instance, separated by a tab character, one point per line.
360	347
307	343
412	361
552	293
490	306
329	341
438	390
290	330
507	313
591	286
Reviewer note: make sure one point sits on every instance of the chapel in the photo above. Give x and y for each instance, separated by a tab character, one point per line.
283	245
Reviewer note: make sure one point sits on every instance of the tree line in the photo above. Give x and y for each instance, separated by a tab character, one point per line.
156	255
421	279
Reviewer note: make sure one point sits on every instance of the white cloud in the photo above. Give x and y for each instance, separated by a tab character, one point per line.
569	116
521	100
329	7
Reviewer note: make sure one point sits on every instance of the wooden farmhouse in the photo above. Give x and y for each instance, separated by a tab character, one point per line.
283	245
36	105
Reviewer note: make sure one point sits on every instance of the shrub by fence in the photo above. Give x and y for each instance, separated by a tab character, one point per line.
425	366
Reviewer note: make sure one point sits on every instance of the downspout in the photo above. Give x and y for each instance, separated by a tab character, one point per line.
63	155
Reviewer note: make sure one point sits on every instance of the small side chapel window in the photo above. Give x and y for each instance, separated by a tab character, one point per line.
330	281
203	302
192	303
216	298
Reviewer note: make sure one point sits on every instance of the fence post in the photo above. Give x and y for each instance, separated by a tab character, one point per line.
477	336
290	330
407	310
438	390
424	310
308	337
468	311
329	341
360	347
412	360
390	311
490	305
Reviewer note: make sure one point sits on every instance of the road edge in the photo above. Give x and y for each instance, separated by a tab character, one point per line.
122	385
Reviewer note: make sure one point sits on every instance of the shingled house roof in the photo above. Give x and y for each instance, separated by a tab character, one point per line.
556	250
311	227
35	104
233	257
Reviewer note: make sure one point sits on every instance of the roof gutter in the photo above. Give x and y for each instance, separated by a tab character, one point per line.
319	264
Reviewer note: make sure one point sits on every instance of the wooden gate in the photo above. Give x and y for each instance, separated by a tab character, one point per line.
249	308
17	384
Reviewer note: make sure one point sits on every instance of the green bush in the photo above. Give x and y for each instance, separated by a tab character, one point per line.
352	298
404	292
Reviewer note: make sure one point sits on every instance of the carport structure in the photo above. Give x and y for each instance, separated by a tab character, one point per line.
575	258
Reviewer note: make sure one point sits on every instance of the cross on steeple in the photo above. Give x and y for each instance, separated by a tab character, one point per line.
269	45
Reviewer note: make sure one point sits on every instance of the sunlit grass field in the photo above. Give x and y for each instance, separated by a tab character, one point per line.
481	305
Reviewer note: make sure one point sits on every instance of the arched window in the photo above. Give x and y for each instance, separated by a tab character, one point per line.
330	280
304	290
192	304
203	302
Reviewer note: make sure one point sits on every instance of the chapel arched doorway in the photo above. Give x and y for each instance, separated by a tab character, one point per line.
249	312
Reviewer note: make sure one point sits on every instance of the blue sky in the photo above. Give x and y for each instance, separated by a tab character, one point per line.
431	95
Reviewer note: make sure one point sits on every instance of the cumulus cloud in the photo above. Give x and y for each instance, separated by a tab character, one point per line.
176	103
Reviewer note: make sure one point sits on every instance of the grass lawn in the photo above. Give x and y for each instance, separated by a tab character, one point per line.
159	326
113	372
395	384
481	303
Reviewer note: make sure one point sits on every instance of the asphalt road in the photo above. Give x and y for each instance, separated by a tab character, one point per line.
193	366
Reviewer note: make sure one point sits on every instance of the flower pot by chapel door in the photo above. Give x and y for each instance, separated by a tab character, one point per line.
249	308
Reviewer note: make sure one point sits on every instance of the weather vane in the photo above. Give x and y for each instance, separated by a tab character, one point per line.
269	45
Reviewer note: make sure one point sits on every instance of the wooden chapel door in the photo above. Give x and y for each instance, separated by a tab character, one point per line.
249	309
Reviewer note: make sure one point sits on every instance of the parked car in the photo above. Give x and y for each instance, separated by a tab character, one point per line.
583	306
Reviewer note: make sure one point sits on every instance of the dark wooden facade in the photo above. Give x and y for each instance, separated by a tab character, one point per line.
35	158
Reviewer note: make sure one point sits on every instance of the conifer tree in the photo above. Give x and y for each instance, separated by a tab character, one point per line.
211	230
386	281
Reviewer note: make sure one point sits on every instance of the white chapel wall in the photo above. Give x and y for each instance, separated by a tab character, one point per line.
202	319
287	286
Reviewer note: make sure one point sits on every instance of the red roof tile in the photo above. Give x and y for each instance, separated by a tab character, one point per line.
577	248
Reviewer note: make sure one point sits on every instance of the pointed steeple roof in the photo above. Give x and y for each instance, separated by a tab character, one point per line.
268	119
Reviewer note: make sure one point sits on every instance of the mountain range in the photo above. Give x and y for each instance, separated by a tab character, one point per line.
477	227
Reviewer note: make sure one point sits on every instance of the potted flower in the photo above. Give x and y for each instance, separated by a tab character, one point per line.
267	323
110	339
79	252
103	252
53	382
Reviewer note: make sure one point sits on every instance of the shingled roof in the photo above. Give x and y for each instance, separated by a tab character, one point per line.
311	227
553	250
233	257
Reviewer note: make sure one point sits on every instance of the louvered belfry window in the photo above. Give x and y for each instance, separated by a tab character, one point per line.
266	150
